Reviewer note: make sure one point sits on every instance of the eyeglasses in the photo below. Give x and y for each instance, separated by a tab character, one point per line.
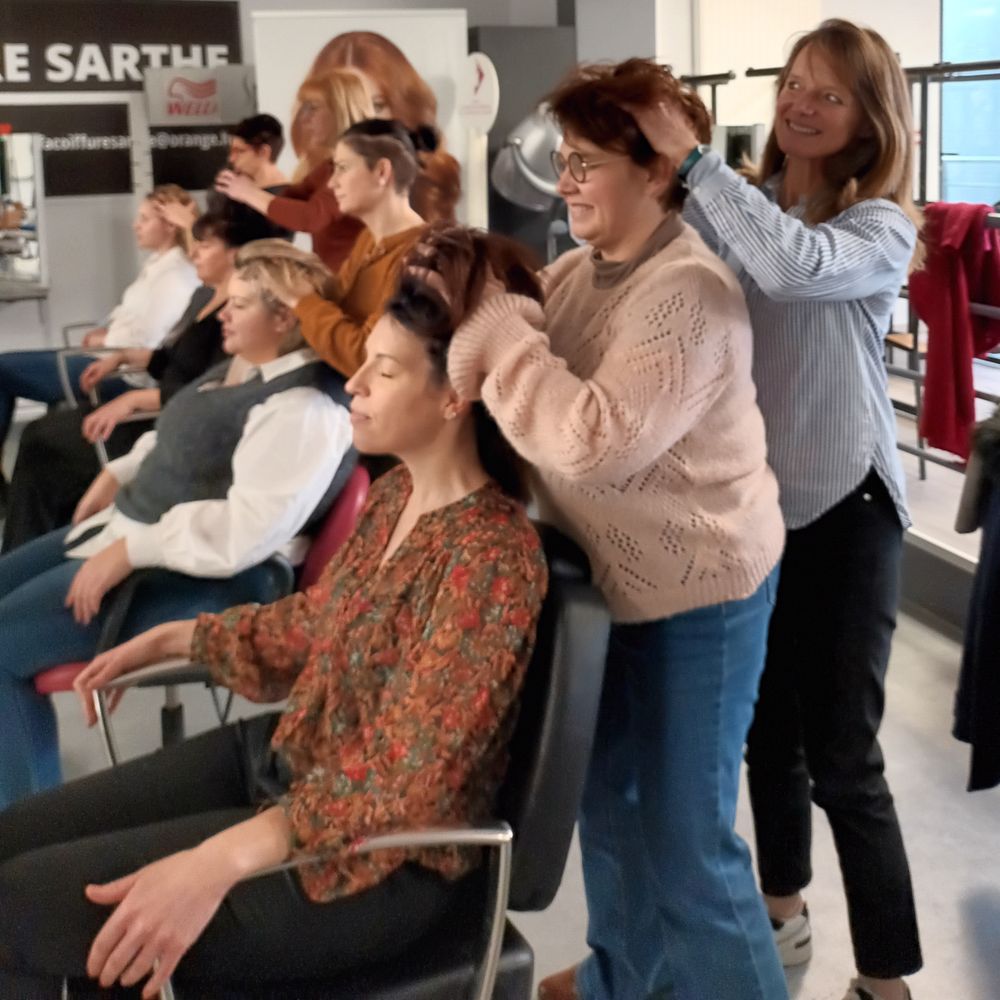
577	164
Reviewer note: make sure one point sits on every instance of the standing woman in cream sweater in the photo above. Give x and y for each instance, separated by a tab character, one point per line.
631	395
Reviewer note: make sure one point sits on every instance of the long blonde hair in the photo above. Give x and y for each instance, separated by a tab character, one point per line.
878	164
277	269
345	96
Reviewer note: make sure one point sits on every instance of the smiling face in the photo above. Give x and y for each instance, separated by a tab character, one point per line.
615	201
250	328
400	405
816	113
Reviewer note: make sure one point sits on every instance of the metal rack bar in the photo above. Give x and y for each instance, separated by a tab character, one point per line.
713	80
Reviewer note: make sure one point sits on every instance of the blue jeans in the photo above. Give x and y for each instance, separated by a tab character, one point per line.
35	375
38	632
674	910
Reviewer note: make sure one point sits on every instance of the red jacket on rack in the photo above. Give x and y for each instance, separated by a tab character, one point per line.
963	266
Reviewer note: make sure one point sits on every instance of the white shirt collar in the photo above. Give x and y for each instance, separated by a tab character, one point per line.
282	366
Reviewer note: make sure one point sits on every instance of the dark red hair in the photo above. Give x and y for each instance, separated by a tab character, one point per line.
590	103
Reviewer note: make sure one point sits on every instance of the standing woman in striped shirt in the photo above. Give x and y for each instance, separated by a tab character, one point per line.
821	235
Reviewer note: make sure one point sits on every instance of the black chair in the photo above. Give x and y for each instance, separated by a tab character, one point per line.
478	954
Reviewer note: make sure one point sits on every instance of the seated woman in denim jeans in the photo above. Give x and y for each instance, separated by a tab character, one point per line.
149	308
242	460
401	667
630	394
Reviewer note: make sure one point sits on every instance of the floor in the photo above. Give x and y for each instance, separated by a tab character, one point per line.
953	837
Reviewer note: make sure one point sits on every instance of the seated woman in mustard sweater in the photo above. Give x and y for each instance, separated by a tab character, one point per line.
401	668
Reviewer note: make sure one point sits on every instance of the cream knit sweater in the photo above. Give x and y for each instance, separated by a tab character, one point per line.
635	406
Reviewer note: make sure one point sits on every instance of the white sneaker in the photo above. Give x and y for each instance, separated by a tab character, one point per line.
793	938
859	992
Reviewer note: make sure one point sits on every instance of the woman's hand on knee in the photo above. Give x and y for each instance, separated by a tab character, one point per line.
159	643
160	911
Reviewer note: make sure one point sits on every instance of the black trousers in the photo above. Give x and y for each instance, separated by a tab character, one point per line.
109	824
55	466
815	733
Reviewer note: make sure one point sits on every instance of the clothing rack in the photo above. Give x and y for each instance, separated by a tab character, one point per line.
713	80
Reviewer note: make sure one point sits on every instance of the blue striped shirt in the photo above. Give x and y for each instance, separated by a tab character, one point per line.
820	300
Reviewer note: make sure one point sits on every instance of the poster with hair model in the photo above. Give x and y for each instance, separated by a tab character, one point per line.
288	44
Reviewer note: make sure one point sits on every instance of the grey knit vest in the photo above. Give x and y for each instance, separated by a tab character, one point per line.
197	434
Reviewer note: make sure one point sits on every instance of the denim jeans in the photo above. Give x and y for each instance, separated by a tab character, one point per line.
673	905
37	631
35	375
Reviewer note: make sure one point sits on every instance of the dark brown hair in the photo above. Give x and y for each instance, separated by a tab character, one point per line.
437	188
463	260
590	103
376	139
878	164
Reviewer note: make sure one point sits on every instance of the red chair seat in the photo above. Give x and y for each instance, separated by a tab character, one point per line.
60	678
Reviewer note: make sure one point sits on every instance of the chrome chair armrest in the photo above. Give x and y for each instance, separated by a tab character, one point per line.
498	836
167	673
84	324
62	355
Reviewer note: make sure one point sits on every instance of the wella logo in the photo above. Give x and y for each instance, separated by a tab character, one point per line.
188	97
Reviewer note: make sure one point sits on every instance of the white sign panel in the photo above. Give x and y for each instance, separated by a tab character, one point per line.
285	43
479	95
221	95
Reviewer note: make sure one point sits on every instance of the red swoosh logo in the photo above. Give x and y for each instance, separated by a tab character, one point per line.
182	89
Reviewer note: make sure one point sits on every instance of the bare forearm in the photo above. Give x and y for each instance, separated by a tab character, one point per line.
250	846
144	400
137	357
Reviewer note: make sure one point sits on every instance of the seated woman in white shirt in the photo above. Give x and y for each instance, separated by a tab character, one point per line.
148	311
242	461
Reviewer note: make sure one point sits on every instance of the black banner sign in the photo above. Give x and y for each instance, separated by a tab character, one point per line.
50	45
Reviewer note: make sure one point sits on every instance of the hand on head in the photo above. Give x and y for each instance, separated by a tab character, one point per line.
176	214
667	129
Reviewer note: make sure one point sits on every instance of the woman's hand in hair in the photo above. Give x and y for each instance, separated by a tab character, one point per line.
98	574
236	186
173	212
164	642
667	129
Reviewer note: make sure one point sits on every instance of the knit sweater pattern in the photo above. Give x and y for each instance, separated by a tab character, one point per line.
635	405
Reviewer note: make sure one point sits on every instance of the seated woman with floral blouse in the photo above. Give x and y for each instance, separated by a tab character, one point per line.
401	668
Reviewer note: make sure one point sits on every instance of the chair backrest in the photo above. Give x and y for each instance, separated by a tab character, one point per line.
551	746
337	526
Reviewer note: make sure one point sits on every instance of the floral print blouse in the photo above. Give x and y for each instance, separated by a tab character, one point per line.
402	679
